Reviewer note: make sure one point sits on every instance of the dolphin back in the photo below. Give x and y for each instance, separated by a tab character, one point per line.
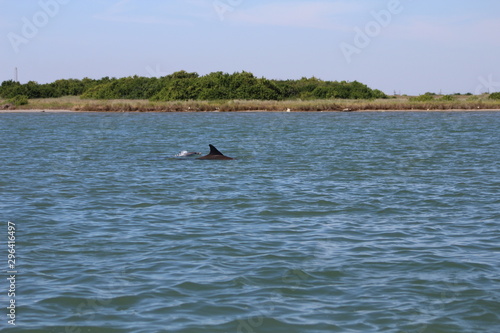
214	154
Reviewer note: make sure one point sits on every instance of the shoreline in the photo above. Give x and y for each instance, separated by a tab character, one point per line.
241	111
400	104
37	111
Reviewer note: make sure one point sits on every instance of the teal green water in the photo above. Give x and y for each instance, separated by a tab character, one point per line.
324	222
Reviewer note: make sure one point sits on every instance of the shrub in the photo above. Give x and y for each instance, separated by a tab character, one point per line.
177	90
495	96
447	98
423	98
190	86
18	100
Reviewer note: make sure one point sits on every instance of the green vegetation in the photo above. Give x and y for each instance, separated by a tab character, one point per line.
18	100
447	98
423	98
495	96
59	88
428	97
184	91
182	85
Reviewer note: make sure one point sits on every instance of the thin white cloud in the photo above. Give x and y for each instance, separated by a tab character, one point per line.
304	14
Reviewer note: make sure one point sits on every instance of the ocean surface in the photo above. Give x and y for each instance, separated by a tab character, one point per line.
324	222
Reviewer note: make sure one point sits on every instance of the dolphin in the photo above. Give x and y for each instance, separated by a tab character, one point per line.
214	155
186	153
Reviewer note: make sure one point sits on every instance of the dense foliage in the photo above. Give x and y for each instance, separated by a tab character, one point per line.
495	96
190	86
59	88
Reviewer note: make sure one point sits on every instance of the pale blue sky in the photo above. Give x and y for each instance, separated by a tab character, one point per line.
408	46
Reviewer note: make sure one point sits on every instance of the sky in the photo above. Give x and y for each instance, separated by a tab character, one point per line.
398	46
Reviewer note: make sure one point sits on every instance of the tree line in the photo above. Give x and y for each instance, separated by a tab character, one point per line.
183	85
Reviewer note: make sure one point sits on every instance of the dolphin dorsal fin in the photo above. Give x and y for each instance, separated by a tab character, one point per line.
214	151
215	155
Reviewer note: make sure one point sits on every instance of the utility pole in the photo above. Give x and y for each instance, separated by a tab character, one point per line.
16	79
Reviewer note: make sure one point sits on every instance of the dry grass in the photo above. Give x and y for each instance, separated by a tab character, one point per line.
399	103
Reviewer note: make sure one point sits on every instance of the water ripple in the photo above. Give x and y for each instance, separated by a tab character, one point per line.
361	222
